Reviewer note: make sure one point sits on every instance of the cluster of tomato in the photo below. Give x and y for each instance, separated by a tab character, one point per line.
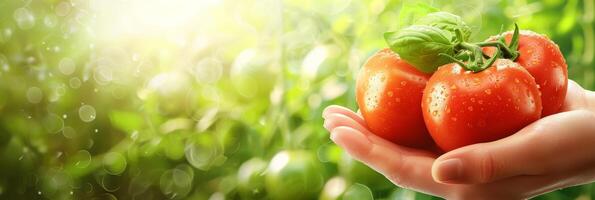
432	88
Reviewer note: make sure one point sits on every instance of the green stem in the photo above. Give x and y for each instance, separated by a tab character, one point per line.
476	59
454	60
475	56
491	60
506	52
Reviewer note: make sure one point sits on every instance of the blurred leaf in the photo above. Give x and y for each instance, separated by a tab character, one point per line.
126	121
569	18
413	10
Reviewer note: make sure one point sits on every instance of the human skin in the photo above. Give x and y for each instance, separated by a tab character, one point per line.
552	153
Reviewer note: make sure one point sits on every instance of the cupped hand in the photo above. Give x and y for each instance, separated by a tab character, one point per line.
552	153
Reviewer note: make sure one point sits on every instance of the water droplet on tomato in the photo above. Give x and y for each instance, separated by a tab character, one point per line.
403	83
376	85
390	93
476	81
470	108
488	91
453	119
516	80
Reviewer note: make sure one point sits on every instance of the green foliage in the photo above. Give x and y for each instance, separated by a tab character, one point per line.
446	21
109	99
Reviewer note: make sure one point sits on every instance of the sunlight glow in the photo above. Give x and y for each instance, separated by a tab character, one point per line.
132	18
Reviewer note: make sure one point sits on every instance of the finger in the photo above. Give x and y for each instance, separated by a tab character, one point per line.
334	109
335	120
575	97
524	187
557	142
402	168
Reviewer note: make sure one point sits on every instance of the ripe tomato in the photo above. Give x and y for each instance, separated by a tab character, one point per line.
357	172
462	108
388	93
544	61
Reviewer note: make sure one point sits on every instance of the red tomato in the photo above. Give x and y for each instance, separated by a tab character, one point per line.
389	92
462	108
544	61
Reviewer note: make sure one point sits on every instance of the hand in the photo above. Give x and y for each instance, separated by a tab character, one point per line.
552	153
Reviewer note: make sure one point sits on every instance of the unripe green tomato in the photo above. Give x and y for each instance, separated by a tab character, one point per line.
251	179
254	72
294	175
334	188
340	188
357	172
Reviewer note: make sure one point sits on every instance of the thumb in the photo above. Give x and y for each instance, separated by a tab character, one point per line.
558	142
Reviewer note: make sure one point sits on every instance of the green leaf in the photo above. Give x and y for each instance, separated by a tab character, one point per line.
420	46
446	21
126	121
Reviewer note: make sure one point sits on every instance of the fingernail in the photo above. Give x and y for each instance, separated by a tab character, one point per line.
450	170
325	125
324	113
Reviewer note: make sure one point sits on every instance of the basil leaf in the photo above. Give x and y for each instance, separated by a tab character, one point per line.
420	46
446	21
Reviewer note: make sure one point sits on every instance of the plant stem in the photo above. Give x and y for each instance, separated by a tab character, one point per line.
477	55
506	52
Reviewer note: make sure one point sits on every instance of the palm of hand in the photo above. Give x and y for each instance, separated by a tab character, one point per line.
551	153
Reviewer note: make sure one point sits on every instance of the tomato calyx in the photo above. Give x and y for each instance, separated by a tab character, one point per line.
471	57
441	38
509	52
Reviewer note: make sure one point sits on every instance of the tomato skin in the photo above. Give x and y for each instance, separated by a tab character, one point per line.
462	108
388	93
544	61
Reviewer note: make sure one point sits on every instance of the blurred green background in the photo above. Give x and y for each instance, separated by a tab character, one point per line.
214	99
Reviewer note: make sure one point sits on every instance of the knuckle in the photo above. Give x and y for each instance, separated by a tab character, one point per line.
396	174
487	167
369	152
